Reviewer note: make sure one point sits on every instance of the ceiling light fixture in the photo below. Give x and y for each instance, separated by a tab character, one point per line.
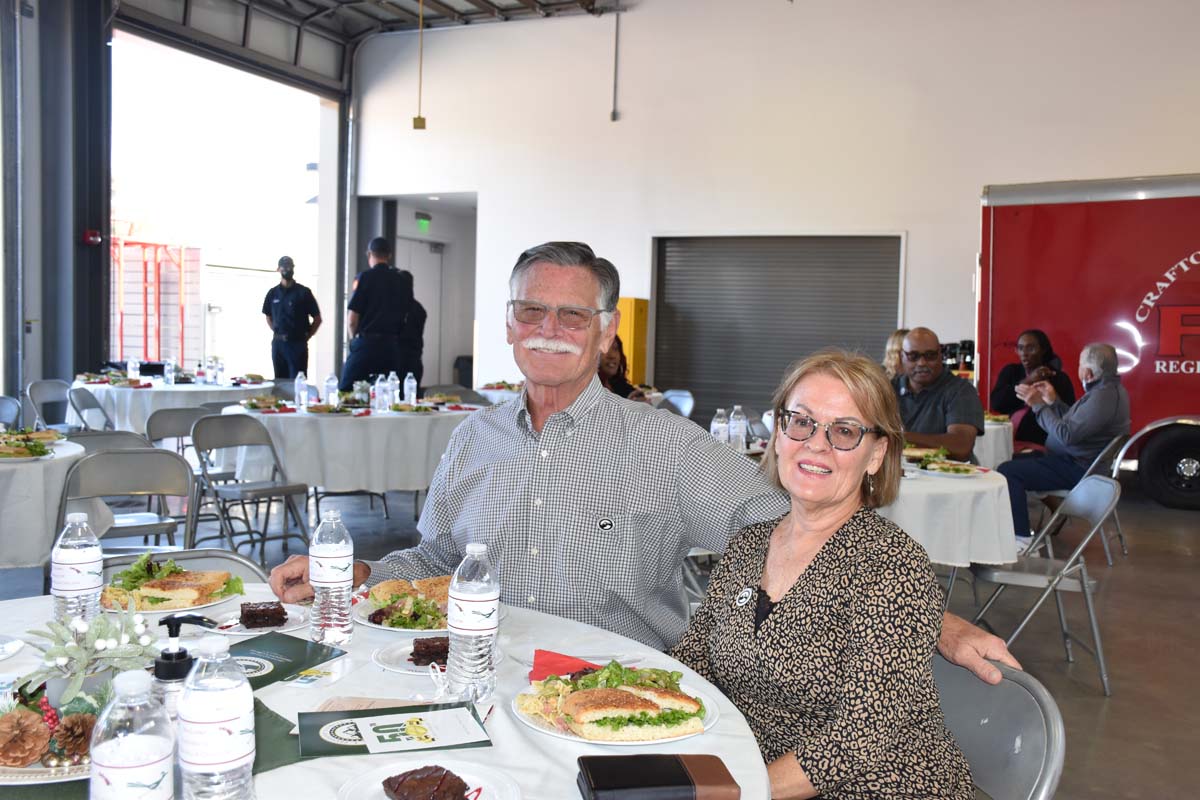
418	120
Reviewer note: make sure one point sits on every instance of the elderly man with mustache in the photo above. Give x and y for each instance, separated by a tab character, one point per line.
588	502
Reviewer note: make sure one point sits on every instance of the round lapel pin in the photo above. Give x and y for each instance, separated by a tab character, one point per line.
744	596
605	524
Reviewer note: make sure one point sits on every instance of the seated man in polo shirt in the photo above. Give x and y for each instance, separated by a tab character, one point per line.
1075	435
938	408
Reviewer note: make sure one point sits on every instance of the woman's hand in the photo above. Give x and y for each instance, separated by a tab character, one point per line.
788	781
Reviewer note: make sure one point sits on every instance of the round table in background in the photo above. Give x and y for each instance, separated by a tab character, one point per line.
130	408
959	520
544	767
29	496
498	396
382	452
996	445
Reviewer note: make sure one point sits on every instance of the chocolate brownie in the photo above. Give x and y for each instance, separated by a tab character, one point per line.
425	783
431	650
263	615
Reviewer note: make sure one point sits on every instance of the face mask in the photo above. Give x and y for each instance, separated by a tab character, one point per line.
287	273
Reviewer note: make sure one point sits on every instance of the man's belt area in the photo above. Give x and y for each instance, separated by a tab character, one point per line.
291	337
377	336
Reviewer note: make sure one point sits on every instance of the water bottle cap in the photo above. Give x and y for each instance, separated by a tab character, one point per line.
476	549
211	646
135	681
77	518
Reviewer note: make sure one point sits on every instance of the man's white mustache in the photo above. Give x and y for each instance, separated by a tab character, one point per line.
553	345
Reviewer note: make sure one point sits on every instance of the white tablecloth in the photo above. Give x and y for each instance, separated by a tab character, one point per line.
996	445
498	396
958	520
130	408
543	767
29	495
341	453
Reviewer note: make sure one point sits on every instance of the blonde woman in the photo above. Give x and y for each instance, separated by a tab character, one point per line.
891	353
820	625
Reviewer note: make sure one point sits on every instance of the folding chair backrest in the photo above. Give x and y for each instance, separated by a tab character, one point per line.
1102	465
50	390
196	560
173	423
145	471
10	412
96	441
1012	734
216	407
1093	499
229	430
82	400
682	399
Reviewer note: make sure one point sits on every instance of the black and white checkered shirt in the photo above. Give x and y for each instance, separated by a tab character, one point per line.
591	518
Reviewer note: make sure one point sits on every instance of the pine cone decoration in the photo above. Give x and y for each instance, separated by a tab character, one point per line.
74	734
24	736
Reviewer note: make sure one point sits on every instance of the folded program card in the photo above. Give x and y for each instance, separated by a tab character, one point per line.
656	777
445	726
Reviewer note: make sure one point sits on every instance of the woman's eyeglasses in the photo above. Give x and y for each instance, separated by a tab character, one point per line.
840	434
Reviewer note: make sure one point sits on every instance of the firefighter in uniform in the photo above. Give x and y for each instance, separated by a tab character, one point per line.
293	317
375	318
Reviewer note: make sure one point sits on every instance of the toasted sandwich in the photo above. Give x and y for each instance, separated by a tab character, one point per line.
182	590
383	593
435	589
631	714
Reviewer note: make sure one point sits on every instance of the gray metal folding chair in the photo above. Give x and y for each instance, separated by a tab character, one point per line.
10	412
176	423
97	441
204	559
214	433
1012	734
42	395
1091	501
217	407
1103	464
83	401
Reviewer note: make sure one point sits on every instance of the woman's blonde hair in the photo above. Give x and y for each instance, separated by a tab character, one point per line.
891	352
875	398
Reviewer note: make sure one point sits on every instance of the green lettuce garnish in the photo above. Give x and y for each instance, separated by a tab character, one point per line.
672	716
232	586
144	570
425	615
614	676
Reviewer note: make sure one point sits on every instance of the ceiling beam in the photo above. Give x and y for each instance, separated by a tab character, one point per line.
447	11
535	6
484	5
392	8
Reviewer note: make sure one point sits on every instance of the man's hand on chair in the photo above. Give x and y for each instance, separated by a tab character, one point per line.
967	646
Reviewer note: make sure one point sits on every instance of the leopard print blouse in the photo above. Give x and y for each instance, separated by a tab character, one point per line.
840	672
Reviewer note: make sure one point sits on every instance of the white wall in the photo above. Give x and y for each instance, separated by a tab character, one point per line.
765	116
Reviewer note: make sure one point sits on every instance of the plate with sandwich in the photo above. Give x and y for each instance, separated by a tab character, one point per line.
955	469
407	607
616	706
155	587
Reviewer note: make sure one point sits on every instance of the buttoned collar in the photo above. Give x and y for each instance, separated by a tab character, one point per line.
571	415
904	389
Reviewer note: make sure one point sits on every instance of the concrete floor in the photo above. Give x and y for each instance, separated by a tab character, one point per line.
1141	742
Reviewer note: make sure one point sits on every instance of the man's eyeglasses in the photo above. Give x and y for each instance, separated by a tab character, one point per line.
570	317
841	435
929	355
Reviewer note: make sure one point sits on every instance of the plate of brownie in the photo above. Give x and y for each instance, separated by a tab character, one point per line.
255	618
413	656
418	778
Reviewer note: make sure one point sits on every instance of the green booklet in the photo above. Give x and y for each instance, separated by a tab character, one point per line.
442	726
276	657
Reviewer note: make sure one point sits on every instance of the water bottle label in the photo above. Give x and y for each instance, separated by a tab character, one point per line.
133	766
76	572
331	571
216	730
474	614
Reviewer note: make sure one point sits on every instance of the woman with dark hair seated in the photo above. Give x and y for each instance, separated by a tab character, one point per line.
821	625
614	371
1038	363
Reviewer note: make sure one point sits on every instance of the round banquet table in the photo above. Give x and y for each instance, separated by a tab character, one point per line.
543	766
383	452
996	445
498	396
958	520
130	408
29	496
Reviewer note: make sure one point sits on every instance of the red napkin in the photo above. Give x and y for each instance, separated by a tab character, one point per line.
547	662
286	410
366	412
142	386
268	411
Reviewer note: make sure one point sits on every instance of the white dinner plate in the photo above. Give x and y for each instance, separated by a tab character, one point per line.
975	472
230	624
10	646
395	658
365	608
483	783
463	408
711	715
158	614
30	776
624	659
25	459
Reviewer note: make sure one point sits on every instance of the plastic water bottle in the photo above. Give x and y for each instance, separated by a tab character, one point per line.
133	369
474	621
393	383
738	427
76	571
381	394
331	573
331	391
169	372
301	397
133	744
410	389
220	379
216	726
719	428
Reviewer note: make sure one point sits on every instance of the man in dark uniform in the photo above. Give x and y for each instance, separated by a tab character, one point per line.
293	316
375	318
412	335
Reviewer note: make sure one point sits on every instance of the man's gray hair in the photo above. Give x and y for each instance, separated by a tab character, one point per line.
1100	358
573	254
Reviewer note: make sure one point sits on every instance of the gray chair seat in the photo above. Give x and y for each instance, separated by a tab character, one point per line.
145	523
258	490
1033	573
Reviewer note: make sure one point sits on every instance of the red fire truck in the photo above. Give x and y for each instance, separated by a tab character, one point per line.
1114	261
